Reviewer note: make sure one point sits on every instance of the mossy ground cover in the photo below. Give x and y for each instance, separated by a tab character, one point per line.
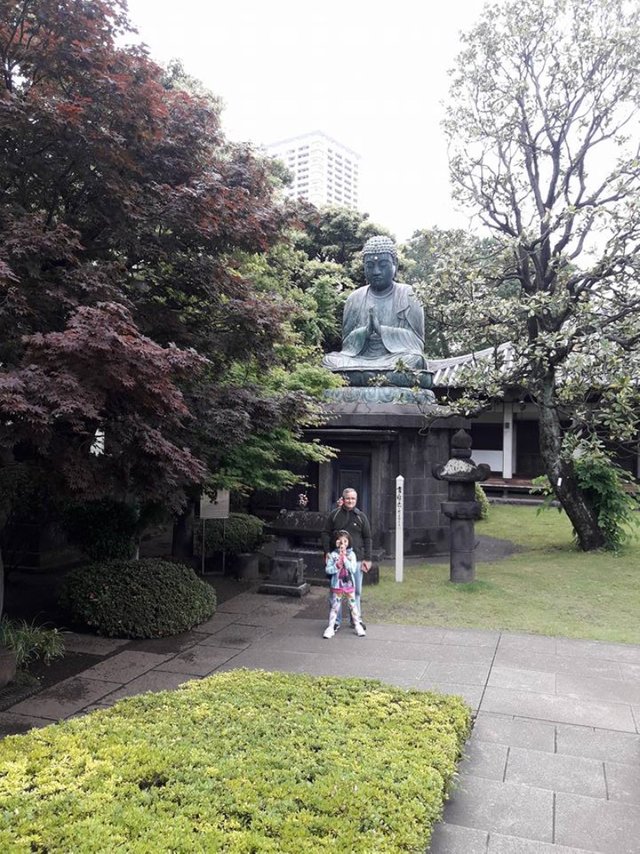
549	587
239	762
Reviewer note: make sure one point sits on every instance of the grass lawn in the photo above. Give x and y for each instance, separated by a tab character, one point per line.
548	588
239	762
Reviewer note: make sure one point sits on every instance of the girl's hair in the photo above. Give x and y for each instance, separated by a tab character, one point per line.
344	534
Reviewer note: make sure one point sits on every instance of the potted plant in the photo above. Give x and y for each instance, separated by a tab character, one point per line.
239	536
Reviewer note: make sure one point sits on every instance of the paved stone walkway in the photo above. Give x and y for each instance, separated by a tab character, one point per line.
552	766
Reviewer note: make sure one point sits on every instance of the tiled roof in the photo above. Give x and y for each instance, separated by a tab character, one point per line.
446	371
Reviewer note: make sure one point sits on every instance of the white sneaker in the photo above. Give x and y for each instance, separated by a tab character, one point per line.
329	632
359	630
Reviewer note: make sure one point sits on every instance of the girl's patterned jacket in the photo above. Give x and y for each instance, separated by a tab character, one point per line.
349	563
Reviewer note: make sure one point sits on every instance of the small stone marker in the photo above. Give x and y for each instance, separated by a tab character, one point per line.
399	528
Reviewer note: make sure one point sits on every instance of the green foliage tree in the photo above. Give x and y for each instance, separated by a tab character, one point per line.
338	234
452	270
542	127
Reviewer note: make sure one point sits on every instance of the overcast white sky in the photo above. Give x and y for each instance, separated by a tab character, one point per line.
372	76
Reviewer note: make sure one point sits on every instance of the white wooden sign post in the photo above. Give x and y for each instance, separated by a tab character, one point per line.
399	527
216	507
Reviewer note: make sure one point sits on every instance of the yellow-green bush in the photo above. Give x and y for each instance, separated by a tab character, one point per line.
239	762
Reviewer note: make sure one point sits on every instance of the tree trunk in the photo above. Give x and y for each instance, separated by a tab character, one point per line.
182	540
1	584
562	476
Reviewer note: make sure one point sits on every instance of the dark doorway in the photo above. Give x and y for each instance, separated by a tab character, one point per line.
353	470
528	459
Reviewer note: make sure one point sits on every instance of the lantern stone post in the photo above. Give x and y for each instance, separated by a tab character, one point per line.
462	509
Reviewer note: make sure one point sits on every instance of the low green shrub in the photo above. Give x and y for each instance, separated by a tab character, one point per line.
483	501
242	761
30	642
241	532
147	598
103	530
611	491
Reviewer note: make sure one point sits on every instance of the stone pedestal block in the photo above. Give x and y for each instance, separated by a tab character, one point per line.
286	577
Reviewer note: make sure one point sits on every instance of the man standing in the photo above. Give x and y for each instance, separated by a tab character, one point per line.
347	517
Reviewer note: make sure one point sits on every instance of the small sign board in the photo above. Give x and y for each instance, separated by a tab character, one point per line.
216	506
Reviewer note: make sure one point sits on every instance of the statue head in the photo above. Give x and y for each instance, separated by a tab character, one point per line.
380	262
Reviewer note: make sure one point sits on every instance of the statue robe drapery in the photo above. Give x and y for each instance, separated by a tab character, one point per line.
401	321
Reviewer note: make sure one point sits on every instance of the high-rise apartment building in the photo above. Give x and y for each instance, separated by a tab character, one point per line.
324	171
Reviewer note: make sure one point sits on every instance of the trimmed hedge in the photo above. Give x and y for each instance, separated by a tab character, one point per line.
241	532
147	598
242	761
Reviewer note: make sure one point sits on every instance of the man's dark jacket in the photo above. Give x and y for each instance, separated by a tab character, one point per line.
357	526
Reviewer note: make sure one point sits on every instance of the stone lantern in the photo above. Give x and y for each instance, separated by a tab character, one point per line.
462	509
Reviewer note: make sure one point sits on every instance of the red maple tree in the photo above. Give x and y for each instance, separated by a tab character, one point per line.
121	204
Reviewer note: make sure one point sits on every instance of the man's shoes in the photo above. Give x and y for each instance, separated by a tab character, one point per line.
336	628
353	625
360	630
329	632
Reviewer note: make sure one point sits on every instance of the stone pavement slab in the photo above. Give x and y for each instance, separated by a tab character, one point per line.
526	680
125	666
238	635
514	731
630	672
346	642
153	680
455	839
470	637
66	698
169	646
527	643
199	660
621	652
401	673
463	674
607	827
92	644
472	694
509	808
484	759
219	620
400	634
598	744
551	707
500	844
623	782
12	723
558	773
597	688
520	659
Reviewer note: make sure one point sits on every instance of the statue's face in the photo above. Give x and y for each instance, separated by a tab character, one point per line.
379	270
